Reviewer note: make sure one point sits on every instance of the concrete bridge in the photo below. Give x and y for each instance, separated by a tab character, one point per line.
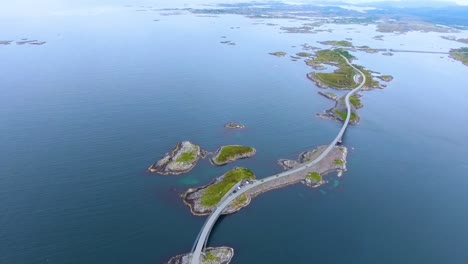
229	197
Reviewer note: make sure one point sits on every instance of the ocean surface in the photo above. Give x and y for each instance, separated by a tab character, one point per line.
112	90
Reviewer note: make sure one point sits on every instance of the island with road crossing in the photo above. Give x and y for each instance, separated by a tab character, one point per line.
326	158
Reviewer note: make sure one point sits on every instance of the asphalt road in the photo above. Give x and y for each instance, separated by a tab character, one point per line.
202	238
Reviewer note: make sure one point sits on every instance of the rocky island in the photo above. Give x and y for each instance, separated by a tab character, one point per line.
227	154
339	111
181	159
315	178
342	78
278	53
234	125
202	200
213	255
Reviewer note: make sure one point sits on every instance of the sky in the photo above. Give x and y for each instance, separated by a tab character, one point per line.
21	8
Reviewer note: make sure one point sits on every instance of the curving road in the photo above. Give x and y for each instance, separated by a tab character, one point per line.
202	238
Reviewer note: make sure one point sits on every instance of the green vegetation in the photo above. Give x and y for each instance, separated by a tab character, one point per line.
341	43
331	57
343	77
460	54
314	176
355	101
213	193
228	152
186	157
343	115
338	162
210	257
304	54
239	200
278	53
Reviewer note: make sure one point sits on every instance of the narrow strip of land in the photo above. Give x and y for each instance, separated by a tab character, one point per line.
202	238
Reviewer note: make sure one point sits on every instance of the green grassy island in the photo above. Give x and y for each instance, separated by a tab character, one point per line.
337	43
231	153
214	192
202	200
304	54
460	54
344	76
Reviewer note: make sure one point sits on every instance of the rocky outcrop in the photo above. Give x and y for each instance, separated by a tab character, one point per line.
213	255
329	95
181	159
234	125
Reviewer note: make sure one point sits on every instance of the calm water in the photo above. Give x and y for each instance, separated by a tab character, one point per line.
84	115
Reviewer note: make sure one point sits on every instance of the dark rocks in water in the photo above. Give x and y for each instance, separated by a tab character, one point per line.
5	42
234	125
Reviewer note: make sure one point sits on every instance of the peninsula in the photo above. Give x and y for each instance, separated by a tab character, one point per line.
181	159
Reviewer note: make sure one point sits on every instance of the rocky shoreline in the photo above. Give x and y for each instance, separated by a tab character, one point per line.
193	196
339	111
213	255
307	156
181	159
215	159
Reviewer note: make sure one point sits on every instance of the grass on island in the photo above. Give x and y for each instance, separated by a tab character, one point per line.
239	200
338	162
213	193
355	101
343	77
314	176
230	151
210	257
340	43
186	157
278	53
460	54
303	54
343	115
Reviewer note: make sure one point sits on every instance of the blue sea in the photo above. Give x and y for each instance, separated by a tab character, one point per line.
112	90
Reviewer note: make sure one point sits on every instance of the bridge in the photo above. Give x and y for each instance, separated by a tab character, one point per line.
229	197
